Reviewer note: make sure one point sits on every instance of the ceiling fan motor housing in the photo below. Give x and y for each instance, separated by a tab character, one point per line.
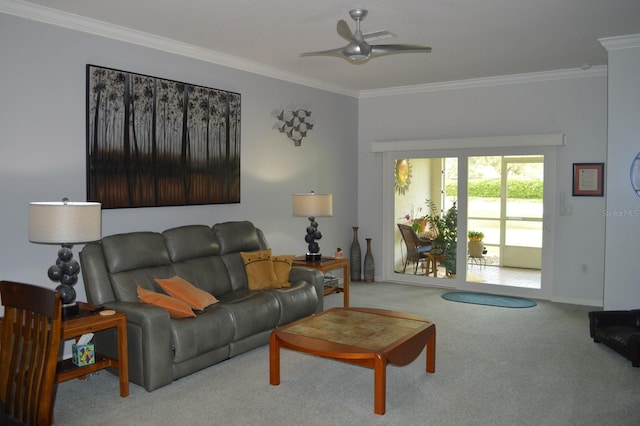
358	50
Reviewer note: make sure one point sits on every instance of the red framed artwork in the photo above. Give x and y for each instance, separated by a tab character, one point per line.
588	179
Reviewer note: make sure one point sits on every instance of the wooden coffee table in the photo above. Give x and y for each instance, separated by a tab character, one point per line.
367	337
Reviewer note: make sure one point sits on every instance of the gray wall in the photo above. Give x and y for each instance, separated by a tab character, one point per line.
42	135
572	105
623	205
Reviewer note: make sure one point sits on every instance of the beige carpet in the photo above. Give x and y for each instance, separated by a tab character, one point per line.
494	366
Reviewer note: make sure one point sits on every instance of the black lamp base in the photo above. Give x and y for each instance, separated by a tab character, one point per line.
314	257
69	311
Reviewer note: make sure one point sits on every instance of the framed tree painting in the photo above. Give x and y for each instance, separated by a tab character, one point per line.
155	142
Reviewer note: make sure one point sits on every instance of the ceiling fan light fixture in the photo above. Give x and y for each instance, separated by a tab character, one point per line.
358	50
357	57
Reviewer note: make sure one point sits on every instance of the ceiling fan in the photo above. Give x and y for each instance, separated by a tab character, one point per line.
358	50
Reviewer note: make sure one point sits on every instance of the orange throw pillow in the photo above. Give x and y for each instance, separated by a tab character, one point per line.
182	289
282	268
259	269
176	308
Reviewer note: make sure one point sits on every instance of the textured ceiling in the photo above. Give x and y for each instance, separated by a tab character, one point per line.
470	38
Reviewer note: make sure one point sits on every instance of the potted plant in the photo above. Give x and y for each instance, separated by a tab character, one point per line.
451	239
419	225
475	235
338	254
444	234
476	245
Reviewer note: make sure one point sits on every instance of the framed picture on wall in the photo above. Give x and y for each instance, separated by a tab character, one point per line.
588	179
154	142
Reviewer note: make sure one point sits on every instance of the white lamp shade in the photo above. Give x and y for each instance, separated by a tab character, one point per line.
64	222
312	204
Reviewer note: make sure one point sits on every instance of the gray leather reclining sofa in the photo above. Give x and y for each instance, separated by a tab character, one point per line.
162	349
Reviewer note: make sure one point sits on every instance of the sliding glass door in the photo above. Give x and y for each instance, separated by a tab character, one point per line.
505	218
503	197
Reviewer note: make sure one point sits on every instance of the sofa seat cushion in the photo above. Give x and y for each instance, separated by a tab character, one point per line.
616	337
252	311
209	330
298	301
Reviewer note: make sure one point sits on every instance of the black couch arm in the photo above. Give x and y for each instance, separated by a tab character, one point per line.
620	330
611	318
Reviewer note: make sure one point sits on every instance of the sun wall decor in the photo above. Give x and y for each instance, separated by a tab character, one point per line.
402	175
294	121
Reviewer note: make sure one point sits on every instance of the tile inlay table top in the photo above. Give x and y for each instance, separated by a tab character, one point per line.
370	338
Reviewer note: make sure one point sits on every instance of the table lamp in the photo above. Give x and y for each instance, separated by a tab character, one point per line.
65	223
312	205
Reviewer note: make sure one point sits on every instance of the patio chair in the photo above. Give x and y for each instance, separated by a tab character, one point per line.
417	248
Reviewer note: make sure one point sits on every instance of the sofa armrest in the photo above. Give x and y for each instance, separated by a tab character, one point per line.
609	318
312	276
148	344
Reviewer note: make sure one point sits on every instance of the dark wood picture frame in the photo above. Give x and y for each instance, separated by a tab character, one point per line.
588	179
154	142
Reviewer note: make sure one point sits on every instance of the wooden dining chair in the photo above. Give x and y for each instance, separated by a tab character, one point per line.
29	346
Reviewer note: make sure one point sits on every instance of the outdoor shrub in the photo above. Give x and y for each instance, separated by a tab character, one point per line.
490	188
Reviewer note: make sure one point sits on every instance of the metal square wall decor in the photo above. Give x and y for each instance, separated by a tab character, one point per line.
153	142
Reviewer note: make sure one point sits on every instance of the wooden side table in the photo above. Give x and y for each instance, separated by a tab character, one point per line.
91	322
329	264
432	263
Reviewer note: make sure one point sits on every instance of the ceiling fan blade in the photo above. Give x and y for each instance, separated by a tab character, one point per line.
331	52
358	51
344	31
379	35
388	49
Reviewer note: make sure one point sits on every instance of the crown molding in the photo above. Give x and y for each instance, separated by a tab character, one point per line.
72	21
597	71
621	42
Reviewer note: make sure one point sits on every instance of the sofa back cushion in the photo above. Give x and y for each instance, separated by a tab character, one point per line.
135	258
190	242
207	273
194	250
235	237
125	283
134	250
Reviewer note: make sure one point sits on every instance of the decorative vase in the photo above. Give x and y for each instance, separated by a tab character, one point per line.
369	266
355	257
